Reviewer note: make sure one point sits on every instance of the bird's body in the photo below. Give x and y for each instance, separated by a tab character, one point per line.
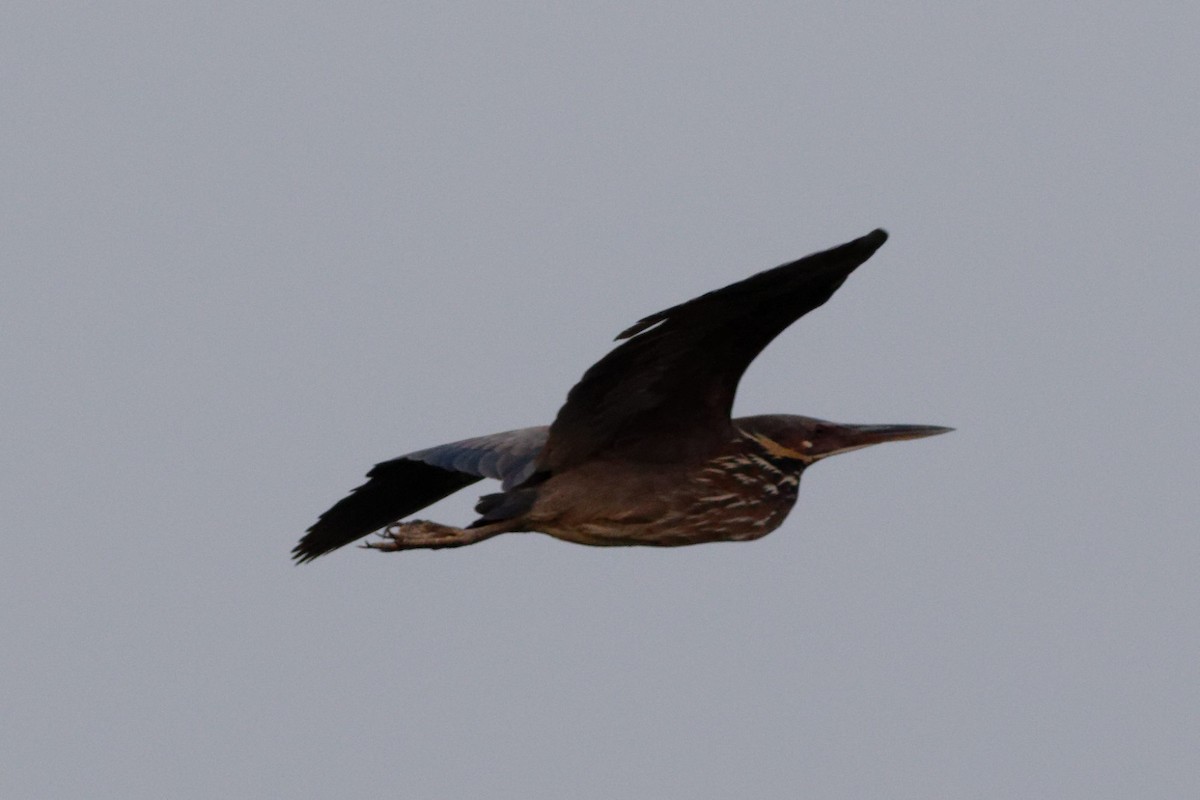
644	451
740	492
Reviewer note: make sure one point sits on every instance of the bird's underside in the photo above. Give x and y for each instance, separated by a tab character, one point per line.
736	495
643	452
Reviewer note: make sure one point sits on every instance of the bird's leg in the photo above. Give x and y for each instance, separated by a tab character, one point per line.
422	534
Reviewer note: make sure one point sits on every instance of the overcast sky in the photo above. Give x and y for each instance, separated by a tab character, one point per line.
251	249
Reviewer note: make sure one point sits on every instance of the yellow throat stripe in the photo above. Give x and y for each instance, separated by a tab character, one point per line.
776	449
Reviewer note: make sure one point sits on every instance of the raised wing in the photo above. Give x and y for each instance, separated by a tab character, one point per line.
667	392
407	484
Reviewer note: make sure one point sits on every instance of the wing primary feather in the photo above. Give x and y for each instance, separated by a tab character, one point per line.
394	490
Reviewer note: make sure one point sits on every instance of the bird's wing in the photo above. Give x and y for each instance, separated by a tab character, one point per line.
507	457
666	393
407	484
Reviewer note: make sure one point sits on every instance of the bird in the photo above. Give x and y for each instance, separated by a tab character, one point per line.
644	451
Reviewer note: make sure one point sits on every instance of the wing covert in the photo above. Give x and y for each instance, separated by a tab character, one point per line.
507	457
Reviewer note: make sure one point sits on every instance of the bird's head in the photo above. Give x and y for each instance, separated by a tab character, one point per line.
808	439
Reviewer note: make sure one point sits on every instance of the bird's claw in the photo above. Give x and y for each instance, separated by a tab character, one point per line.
417	534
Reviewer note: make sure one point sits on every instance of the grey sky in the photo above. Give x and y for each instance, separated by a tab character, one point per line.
250	250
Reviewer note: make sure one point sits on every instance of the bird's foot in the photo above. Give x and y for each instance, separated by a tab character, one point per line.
421	534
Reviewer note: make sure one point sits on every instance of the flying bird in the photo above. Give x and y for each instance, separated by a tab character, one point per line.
644	450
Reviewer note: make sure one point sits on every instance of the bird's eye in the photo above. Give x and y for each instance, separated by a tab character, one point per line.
807	444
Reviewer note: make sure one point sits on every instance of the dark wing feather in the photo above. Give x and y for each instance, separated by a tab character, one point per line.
407	484
667	392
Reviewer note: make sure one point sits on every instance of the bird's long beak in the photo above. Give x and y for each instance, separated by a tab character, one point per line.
852	437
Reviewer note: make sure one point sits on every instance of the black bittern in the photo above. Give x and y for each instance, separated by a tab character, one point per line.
644	451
